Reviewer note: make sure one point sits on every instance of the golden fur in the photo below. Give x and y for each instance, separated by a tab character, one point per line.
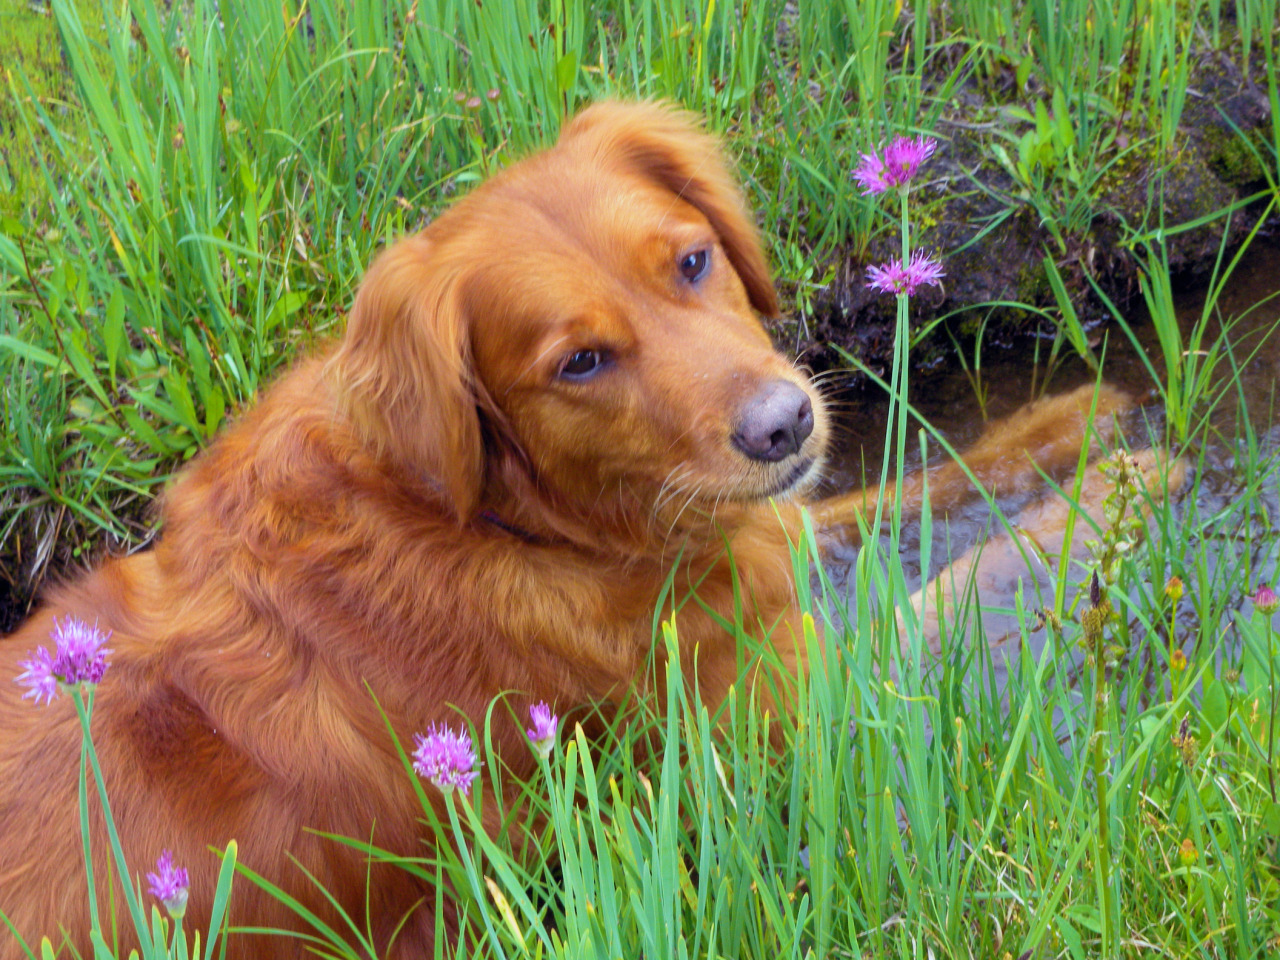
431	507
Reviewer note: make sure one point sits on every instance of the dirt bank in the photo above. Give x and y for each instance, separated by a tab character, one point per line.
994	231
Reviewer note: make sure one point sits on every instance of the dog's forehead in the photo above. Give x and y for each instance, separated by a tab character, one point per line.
591	206
571	238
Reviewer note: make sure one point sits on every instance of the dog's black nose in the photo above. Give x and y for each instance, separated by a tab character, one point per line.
775	422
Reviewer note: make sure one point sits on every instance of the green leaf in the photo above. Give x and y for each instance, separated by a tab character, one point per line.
1043	127
567	72
1214	709
198	356
1271	819
113	329
143	431
162	409
221	895
1028	150
74	344
215	407
1062	116
1023	73
288	304
29	351
175	386
1070	938
1070	325
1086	915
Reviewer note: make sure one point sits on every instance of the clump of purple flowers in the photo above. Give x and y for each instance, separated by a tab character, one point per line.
899	277
543	732
169	885
445	758
896	166
79	657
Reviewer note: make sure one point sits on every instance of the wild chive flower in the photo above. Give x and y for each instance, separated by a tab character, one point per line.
38	677
543	732
445	758
169	885
897	277
896	167
1265	600
79	657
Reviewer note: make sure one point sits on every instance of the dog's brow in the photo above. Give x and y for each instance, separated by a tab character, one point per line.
534	362
679	194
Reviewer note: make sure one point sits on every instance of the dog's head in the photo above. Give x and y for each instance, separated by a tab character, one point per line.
585	323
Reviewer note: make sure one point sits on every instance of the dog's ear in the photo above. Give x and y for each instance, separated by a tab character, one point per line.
669	145
403	371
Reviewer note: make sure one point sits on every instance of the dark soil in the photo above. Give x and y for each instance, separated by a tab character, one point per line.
1211	168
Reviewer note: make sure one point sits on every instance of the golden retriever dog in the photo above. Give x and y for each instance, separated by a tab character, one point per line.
540	402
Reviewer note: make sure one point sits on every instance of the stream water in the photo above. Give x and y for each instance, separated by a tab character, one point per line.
959	404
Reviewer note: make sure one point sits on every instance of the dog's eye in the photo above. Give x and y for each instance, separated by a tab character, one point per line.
581	365
693	266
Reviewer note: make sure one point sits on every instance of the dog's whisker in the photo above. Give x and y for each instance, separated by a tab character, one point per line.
693	495
671	487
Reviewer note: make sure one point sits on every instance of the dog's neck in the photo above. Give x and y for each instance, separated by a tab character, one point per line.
626	533
491	517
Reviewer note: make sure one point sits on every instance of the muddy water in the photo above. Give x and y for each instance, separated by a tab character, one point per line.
1010	378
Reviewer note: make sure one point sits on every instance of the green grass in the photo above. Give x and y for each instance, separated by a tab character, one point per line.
34	49
198	204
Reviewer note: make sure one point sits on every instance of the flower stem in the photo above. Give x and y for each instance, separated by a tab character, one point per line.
84	815
126	880
896	447
1100	790
902	351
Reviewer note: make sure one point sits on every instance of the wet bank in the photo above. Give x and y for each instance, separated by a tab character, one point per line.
994	222
1242	409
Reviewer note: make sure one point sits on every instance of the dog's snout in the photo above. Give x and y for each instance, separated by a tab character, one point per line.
775	422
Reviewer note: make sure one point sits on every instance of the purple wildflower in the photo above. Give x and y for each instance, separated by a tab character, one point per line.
79	657
897	277
37	676
543	732
896	167
1265	600
445	758
169	885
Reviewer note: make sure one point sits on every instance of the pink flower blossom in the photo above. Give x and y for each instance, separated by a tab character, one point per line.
897	277
1265	600
543	732
896	167
38	676
445	758
79	657
169	885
